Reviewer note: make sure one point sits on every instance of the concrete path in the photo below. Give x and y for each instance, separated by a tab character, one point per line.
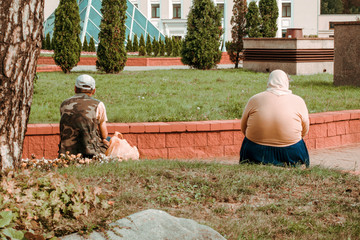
343	157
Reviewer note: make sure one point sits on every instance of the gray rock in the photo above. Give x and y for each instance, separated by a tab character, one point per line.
153	225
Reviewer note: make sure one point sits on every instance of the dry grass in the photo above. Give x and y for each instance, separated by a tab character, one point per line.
238	201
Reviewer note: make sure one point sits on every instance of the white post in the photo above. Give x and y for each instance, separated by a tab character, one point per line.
83	33
225	27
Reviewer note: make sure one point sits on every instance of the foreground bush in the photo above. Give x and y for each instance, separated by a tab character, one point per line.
48	204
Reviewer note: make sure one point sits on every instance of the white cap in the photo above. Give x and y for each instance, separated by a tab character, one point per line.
85	82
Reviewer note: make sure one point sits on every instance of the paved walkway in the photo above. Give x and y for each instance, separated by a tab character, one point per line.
343	157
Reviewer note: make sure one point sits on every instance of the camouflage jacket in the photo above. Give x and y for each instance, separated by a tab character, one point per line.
79	127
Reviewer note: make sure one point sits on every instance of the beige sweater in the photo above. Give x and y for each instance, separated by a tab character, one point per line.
273	120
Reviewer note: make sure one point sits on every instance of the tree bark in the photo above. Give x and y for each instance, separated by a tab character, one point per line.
21	32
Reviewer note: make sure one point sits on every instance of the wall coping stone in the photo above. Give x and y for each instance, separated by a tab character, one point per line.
191	126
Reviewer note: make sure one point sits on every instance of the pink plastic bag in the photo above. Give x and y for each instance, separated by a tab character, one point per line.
120	148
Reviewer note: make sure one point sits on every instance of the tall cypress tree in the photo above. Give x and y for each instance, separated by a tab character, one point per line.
85	46
129	44
48	42
149	47
92	47
238	22
175	47
168	46
161	47
142	41
111	51
253	21
142	49
269	13
135	45
156	47
201	46
66	35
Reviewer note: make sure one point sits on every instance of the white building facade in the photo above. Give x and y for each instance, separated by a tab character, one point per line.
170	16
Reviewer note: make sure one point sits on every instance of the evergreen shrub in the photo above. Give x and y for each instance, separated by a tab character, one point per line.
129	44
269	13
111	51
253	21
67	44
85	46
156	47
148	45
92	47
201	46
238	22
161	47
142	51
135	46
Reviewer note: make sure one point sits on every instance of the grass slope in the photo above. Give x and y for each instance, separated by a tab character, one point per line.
238	201
183	95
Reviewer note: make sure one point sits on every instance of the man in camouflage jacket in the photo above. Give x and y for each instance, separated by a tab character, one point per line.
83	121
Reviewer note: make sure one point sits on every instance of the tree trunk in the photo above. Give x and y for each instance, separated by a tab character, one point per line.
21	32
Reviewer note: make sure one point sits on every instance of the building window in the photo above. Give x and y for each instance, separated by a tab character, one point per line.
176	10
286	10
283	33
155	10
331	25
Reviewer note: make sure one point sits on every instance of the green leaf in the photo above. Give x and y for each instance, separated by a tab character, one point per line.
6	217
13	234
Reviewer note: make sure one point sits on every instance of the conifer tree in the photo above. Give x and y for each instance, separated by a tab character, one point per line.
66	35
135	46
168	46
238	22
148	45
129	44
52	44
48	42
43	43
142	41
176	47
161	47
92	47
201	46
332	6
156	47
269	13
85	46
253	21
111	51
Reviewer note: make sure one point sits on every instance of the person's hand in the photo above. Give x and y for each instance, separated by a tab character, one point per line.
106	142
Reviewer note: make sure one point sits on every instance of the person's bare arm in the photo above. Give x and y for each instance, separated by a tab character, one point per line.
103	132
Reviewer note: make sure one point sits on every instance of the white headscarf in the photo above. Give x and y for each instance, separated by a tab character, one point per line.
278	83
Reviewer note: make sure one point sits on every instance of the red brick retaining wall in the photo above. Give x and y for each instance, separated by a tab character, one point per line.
200	139
47	64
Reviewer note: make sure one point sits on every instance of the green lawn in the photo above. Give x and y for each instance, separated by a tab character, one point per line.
183	95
